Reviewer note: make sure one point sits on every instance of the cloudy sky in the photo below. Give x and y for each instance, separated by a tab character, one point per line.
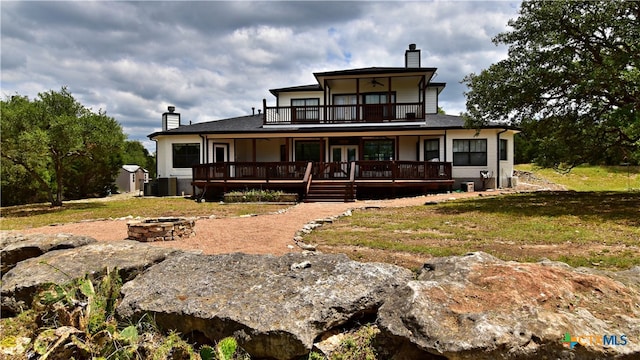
215	60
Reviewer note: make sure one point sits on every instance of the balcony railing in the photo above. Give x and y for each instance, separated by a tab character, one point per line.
344	114
301	170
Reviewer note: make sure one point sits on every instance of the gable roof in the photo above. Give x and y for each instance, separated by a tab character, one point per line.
133	168
253	124
374	71
313	87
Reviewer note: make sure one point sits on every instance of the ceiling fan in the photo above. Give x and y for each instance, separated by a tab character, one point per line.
375	82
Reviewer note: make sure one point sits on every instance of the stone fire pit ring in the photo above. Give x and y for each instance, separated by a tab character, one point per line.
161	229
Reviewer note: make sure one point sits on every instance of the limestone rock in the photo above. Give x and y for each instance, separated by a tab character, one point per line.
21	283
273	311
479	307
16	247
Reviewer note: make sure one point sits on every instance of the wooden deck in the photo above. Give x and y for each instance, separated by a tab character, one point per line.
368	178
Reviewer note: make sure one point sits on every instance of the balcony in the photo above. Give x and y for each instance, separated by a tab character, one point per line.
343	114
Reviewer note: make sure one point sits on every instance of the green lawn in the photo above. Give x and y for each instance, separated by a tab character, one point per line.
592	178
28	216
582	228
597	224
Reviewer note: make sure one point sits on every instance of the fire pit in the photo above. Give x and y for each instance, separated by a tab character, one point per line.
161	229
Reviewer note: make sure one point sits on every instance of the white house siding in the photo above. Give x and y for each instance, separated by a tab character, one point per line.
268	150
506	166
407	148
229	143
244	150
441	140
472	173
166	169
285	98
165	151
431	100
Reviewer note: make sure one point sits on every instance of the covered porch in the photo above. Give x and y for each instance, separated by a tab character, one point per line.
324	181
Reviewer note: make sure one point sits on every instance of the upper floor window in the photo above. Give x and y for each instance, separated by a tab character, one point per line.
470	152
377	106
344	107
185	155
306	109
503	149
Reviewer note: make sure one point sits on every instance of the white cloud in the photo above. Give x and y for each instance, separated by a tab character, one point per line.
215	60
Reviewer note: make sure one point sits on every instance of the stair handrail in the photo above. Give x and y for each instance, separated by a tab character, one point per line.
307	177
352	180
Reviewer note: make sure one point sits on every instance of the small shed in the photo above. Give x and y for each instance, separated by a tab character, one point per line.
132	178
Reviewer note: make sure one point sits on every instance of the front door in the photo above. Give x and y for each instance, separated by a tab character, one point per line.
342	156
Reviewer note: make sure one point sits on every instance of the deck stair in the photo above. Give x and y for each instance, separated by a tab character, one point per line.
331	191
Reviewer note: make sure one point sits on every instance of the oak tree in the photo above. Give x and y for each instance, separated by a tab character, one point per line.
571	81
67	149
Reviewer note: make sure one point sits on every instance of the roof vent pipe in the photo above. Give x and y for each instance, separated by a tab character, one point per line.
253	110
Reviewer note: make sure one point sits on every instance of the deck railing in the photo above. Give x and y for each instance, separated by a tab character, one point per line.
266	171
343	114
302	171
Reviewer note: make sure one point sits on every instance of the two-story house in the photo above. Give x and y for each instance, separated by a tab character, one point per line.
356	133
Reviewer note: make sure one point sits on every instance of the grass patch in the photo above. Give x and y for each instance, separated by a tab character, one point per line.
591	178
580	228
29	216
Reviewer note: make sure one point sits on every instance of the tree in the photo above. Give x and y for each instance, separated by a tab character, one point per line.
572	78
61	145
136	154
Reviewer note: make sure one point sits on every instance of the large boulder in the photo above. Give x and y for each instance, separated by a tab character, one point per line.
275	306
22	283
15	247
479	307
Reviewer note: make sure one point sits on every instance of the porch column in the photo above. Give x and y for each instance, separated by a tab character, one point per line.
253	155
326	87
286	149
357	99
424	96
397	149
390	113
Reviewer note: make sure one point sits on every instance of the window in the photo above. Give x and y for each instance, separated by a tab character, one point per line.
186	155
470	152
307	151
378	150
503	149
376	107
306	109
432	150
345	107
